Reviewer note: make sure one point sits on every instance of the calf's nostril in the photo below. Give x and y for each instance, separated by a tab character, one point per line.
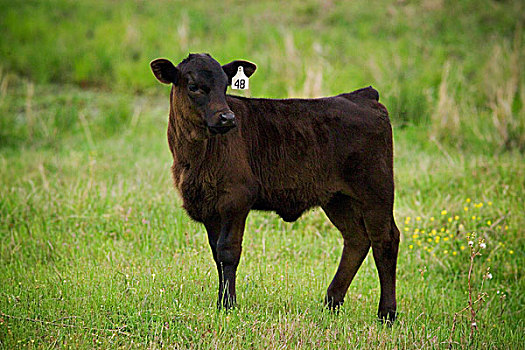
227	119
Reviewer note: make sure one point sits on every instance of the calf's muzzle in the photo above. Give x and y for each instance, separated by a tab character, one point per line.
225	122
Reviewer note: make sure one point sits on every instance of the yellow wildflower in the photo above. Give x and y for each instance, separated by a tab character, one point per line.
411	247
468	200
443	212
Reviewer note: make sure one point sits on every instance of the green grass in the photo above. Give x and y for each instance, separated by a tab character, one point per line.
95	250
432	60
94	240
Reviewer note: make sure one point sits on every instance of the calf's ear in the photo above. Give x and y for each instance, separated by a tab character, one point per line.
231	69
165	71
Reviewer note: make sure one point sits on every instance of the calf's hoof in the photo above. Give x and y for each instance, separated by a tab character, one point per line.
226	304
333	303
387	316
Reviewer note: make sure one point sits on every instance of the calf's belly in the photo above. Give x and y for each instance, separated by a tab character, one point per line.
291	204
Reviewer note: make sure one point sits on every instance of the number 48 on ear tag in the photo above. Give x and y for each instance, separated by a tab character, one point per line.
240	80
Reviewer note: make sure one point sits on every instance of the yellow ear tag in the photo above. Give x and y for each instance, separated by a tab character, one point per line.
240	80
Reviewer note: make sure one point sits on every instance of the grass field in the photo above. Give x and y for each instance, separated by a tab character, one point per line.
96	252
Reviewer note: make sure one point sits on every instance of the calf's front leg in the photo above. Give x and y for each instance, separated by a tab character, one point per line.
229	246
225	238
213	227
225	233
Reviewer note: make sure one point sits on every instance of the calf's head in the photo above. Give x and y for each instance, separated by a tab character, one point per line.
202	82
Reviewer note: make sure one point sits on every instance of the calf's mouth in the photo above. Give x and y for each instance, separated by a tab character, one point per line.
223	122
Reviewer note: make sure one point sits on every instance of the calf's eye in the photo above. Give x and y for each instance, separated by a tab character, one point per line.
193	88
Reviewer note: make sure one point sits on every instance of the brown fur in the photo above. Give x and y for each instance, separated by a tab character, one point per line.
287	156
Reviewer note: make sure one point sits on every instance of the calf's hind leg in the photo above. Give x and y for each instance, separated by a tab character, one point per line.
384	235
347	218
